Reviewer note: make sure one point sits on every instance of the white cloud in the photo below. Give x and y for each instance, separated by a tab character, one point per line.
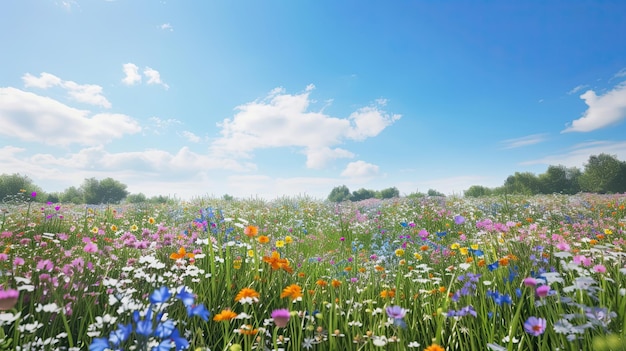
603	111
132	74
167	26
191	136
30	117
577	89
158	125
318	158
360	169
524	141
579	154
85	93
284	120
154	77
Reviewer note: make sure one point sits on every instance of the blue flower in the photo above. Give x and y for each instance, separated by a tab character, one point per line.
120	334
99	344
144	326
180	342
160	295
164	329
198	310
186	297
493	266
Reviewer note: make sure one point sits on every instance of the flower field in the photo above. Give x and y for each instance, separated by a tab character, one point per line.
505	273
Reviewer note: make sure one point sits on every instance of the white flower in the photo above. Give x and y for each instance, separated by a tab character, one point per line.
379	341
413	344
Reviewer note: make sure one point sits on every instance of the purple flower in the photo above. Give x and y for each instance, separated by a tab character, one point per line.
281	317
535	326
543	290
459	219
396	312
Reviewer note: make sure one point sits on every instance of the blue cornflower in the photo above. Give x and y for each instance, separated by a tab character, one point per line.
165	345
160	295
120	334
198	310
180	342
186	297
164	329
99	344
493	266
144	326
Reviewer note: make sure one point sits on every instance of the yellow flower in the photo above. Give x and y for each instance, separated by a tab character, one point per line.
151	220
288	239
417	256
250	253
474	246
402	262
455	246
280	243
133	228
400	252
608	231
464	250
94	230
237	264
113	227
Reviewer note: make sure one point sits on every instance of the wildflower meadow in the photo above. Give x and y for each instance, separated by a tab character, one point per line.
433	273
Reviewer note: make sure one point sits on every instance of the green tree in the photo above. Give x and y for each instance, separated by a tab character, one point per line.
136	198
13	184
603	174
560	179
339	194
389	193
523	183
363	194
433	192
477	191
107	191
72	195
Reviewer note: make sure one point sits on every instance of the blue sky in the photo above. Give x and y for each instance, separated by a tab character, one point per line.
273	98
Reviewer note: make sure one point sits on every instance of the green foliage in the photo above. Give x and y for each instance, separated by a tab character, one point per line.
477	191
106	191
433	192
136	198
560	180
604	174
339	194
13	184
72	195
389	193
363	194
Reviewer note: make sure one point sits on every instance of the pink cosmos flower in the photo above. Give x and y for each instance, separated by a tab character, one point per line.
599	268
281	317
543	290
91	247
530	281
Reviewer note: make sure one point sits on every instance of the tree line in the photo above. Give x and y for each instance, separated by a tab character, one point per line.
17	187
601	174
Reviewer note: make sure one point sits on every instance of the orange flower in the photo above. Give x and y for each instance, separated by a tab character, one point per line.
277	263
251	231
388	293
434	347
379	268
181	254
322	283
481	263
264	239
293	291
424	247
225	315
247	295
335	283
247	329
504	261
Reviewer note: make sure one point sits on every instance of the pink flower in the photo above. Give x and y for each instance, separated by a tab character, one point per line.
91	247
18	261
530	281
599	268
423	234
281	317
563	246
8	299
543	290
